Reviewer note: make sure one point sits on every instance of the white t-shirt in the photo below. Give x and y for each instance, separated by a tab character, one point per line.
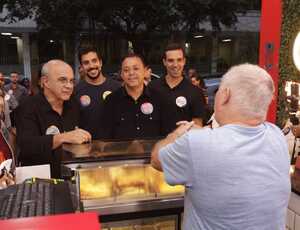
236	177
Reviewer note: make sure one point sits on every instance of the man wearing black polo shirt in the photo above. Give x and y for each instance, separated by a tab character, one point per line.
181	101
49	119
133	111
92	91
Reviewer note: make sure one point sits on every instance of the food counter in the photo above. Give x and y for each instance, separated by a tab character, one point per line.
116	180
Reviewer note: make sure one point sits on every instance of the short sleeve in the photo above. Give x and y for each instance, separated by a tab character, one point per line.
176	162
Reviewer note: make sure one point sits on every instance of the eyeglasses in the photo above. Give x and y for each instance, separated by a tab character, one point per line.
65	81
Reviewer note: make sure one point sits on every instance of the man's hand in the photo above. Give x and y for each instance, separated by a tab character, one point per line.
183	127
77	136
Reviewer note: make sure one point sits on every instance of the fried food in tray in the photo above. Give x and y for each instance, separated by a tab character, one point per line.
165	225
144	227
159	185
95	184
122	228
130	182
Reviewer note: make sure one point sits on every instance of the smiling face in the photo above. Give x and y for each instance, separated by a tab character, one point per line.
133	72
91	65
174	62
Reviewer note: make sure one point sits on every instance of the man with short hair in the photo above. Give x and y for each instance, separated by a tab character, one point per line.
236	176
180	99
92	91
14	88
10	102
47	120
133	111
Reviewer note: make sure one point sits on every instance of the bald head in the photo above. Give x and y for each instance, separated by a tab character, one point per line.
246	91
51	65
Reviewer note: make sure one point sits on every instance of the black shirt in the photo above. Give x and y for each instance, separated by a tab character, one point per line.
183	102
91	99
126	118
37	122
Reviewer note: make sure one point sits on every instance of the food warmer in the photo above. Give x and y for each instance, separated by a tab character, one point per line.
116	180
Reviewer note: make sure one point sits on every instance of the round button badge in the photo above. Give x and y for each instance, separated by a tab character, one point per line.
147	108
181	101
52	130
105	94
85	100
6	97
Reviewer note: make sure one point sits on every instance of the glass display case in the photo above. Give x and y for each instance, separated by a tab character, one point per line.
117	180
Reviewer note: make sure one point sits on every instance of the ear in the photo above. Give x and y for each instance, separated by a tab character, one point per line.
44	80
100	64
164	61
225	96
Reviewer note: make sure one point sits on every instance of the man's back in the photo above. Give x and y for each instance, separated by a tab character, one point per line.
238	178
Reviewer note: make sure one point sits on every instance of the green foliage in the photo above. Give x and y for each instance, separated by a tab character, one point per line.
287	69
126	17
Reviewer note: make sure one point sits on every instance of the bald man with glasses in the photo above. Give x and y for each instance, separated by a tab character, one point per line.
49	119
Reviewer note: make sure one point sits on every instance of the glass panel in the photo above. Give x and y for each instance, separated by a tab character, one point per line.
125	182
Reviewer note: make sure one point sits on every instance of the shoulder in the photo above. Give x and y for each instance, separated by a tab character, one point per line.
7	87
37	98
190	86
113	83
30	103
115	96
155	83
80	85
72	104
273	128
22	87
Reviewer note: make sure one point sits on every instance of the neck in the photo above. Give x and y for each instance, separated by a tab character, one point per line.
97	81
134	92
241	120
14	85
56	104
173	81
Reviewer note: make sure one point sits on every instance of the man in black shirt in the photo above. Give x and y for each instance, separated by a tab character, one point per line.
180	99
133	111
92	91
49	119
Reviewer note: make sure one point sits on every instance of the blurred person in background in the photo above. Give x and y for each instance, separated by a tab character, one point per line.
27	84
191	72
14	88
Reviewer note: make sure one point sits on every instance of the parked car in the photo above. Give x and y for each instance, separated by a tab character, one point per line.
212	82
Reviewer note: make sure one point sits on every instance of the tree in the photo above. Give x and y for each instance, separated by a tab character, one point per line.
136	21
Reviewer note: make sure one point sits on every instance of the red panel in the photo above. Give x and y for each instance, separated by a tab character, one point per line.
270	27
57	222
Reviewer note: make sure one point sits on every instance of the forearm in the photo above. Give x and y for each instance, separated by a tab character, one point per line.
159	145
58	140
